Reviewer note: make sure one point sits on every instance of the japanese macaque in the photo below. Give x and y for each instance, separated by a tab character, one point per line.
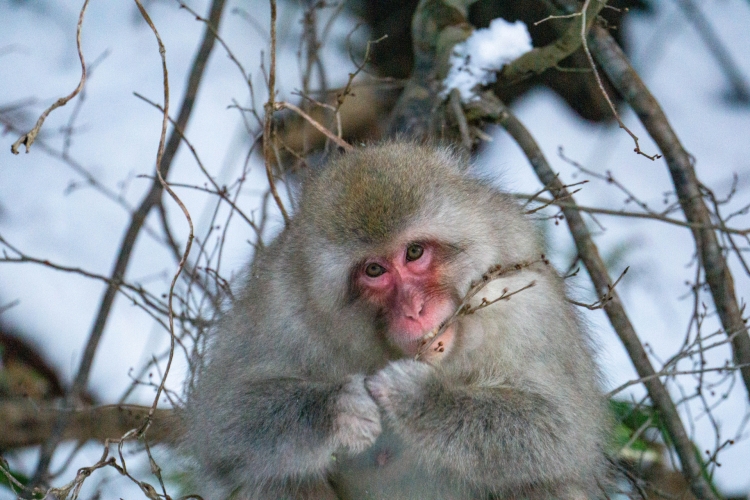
368	356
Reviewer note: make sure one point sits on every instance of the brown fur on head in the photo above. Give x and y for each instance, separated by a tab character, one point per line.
368	195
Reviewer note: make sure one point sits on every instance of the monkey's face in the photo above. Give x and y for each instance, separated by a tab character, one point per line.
407	287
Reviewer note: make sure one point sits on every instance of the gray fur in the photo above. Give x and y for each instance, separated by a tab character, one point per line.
303	395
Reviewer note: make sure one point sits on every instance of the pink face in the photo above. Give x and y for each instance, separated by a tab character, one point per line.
406	286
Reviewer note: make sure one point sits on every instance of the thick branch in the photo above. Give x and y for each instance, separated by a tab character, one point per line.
614	308
29	423
543	58
624	78
437	25
740	88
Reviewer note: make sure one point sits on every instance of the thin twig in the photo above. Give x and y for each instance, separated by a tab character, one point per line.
360	67
625	213
458	112
151	199
669	373
29	138
599	304
165	186
614	308
584	44
546	203
12	481
721	283
505	295
320	128
21	257
464	307
268	123
561	16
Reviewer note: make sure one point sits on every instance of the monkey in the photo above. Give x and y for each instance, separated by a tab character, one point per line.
352	365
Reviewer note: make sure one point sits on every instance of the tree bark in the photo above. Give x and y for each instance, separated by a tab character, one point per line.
27	423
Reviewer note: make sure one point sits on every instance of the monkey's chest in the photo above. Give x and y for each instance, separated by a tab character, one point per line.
389	470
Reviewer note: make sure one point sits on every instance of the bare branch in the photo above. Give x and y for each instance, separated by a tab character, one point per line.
628	213
28	423
599	304
614	308
28	138
152	198
740	87
465	308
540	59
599	83
458	112
625	79
320	128
165	186
668	373
268	124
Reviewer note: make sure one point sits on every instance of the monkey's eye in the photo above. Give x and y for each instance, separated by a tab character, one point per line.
374	270
414	251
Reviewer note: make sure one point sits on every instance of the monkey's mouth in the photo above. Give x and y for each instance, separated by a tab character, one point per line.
412	335
427	340
431	334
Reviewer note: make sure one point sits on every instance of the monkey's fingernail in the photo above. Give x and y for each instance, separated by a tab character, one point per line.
440	343
441	349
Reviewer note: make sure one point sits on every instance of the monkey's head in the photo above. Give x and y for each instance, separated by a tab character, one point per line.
401	230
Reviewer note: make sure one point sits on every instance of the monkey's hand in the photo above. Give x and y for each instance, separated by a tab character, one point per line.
395	386
357	422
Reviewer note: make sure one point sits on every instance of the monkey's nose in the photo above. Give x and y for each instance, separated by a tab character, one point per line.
413	308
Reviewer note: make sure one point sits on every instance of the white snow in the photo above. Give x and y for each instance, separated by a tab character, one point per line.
475	60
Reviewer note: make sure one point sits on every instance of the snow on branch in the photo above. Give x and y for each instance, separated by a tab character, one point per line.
476	60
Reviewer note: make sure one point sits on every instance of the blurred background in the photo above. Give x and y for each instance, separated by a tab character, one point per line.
65	206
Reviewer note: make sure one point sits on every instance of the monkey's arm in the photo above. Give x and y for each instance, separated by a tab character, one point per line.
283	429
498	437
